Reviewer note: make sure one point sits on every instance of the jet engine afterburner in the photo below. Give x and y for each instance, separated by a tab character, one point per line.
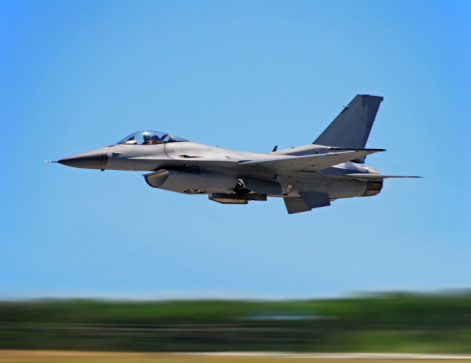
373	188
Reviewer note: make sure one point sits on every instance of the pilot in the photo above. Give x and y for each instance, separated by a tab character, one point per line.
147	140
155	140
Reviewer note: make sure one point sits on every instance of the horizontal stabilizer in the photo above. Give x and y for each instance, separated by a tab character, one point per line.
309	163
365	176
352	149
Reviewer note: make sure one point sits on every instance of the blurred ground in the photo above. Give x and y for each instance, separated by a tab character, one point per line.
33	356
386	323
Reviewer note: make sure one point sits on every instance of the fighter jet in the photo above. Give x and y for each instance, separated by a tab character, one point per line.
306	177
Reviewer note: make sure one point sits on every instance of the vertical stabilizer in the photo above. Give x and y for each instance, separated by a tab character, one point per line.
352	126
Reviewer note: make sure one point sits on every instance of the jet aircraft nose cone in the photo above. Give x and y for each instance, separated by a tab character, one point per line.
89	160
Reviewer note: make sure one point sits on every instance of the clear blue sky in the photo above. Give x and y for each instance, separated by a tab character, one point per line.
247	75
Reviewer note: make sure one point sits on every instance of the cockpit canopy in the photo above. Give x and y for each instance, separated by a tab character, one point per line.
150	138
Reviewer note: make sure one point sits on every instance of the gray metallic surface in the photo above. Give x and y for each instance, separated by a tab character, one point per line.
306	177
315	200
96	159
352	126
262	186
295	205
192	181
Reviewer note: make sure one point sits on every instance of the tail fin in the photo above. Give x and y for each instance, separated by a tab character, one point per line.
352	126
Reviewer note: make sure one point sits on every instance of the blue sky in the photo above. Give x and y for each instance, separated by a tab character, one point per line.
247	75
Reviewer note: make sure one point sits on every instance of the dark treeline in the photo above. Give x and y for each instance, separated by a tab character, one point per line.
395	322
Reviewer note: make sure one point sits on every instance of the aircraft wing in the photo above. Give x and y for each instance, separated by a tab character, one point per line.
309	163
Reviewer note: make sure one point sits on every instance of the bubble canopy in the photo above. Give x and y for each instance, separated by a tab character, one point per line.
150	138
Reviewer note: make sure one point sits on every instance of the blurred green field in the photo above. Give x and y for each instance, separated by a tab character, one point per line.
396	322
94	357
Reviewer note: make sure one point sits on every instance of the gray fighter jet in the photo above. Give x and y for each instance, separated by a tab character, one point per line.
306	177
